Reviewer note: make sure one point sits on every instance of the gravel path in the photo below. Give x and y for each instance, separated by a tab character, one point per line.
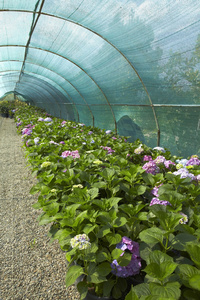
31	268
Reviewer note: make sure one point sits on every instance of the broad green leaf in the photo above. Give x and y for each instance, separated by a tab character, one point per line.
88	228
108	173
160	271
45	219
94	192
131	295
113	238
180	241
72	274
103	269
101	256
104	230
142	289
152	235
194	252
116	253
168	290
125	259
83	289
100	184
107	287
159	257
51	209
195	282
118	222
191	294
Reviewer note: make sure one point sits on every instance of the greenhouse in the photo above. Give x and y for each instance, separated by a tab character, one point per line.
100	144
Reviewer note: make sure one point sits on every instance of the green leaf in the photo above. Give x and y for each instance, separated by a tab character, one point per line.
142	289
83	289
120	221
152	235
94	192
100	184
190	294
51	209
101	256
104	230
180	241
168	290
107	287
72	274
160	271
125	259
116	253
159	257
113	238
103	269
89	228
194	252
195	282
93	275
131	295
45	219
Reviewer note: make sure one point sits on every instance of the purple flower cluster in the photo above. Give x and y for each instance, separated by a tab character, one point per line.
193	161
158	201
109	150
184	173
26	131
74	154
134	266
147	158
154	191
151	167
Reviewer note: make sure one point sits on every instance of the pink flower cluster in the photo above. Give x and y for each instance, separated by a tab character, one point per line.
108	149
134	266
152	166
74	154
193	161
158	201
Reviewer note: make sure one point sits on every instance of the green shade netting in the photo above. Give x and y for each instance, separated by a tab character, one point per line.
130	66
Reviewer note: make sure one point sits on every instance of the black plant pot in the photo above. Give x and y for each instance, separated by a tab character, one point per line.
90	296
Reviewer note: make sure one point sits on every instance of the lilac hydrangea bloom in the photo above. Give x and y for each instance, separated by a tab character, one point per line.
151	167
52	142
147	158
159	149
108	149
26	131
36	140
134	266
193	161
158	201
40	119
160	159
74	154
154	191
108	131
184	173
48	119
167	163
182	162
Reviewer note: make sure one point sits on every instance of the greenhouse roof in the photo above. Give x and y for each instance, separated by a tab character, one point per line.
126	65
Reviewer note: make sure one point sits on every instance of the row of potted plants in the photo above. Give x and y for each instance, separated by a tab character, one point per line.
126	215
7	108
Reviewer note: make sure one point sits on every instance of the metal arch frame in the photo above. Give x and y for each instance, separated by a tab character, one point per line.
121	53
56	83
46	81
28	84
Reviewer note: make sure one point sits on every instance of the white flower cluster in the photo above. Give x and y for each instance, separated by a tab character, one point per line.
81	241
